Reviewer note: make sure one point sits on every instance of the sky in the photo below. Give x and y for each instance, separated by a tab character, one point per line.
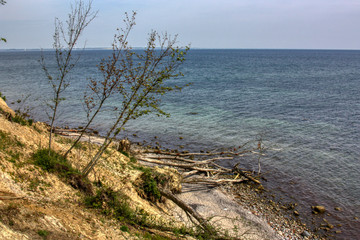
245	24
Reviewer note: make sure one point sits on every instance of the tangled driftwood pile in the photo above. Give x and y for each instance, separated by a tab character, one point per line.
203	167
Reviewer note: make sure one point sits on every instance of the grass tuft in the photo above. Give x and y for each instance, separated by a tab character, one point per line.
54	162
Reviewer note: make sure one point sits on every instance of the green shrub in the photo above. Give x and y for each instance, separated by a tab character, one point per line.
22	120
52	162
43	233
149	186
124	228
7	144
111	203
2	96
150	180
56	163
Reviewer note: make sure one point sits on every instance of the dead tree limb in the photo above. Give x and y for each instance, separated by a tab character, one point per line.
203	223
244	174
213	181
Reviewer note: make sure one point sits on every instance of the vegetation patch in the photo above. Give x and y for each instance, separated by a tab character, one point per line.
53	162
78	145
43	233
148	185
2	96
22	120
115	204
10	146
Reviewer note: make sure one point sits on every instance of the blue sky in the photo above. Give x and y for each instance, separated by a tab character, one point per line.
297	24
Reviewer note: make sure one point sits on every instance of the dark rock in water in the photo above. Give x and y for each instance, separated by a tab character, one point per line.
305	234
318	209
338	208
192	113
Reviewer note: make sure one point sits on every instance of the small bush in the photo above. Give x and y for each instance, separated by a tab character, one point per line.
43	233
2	96
124	228
149	186
52	162
21	120
150	181
112	204
56	163
10	146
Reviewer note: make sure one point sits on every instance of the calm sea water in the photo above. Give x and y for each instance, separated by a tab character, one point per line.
304	104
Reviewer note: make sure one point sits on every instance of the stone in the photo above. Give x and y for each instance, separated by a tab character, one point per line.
5	109
338	208
305	234
318	209
124	145
296	213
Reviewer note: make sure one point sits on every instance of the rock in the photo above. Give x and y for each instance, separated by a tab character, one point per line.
338	208
124	145
5	109
296	213
305	234
318	209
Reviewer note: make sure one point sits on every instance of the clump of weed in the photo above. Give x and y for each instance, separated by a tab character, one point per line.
2	96
11	146
22	120
54	162
43	233
78	145
111	203
148	187
124	228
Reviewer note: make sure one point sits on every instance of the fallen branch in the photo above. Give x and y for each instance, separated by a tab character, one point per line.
203	223
10	198
244	174
213	181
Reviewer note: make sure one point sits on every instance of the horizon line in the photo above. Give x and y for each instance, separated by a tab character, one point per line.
193	48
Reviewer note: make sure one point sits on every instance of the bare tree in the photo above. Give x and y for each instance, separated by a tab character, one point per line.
2	2
65	40
136	79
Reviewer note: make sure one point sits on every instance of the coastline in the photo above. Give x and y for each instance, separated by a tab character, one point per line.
231	206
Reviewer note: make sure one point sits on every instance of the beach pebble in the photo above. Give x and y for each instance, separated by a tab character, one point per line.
305	234
318	209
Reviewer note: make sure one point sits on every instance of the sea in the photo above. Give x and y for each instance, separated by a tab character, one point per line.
304	105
